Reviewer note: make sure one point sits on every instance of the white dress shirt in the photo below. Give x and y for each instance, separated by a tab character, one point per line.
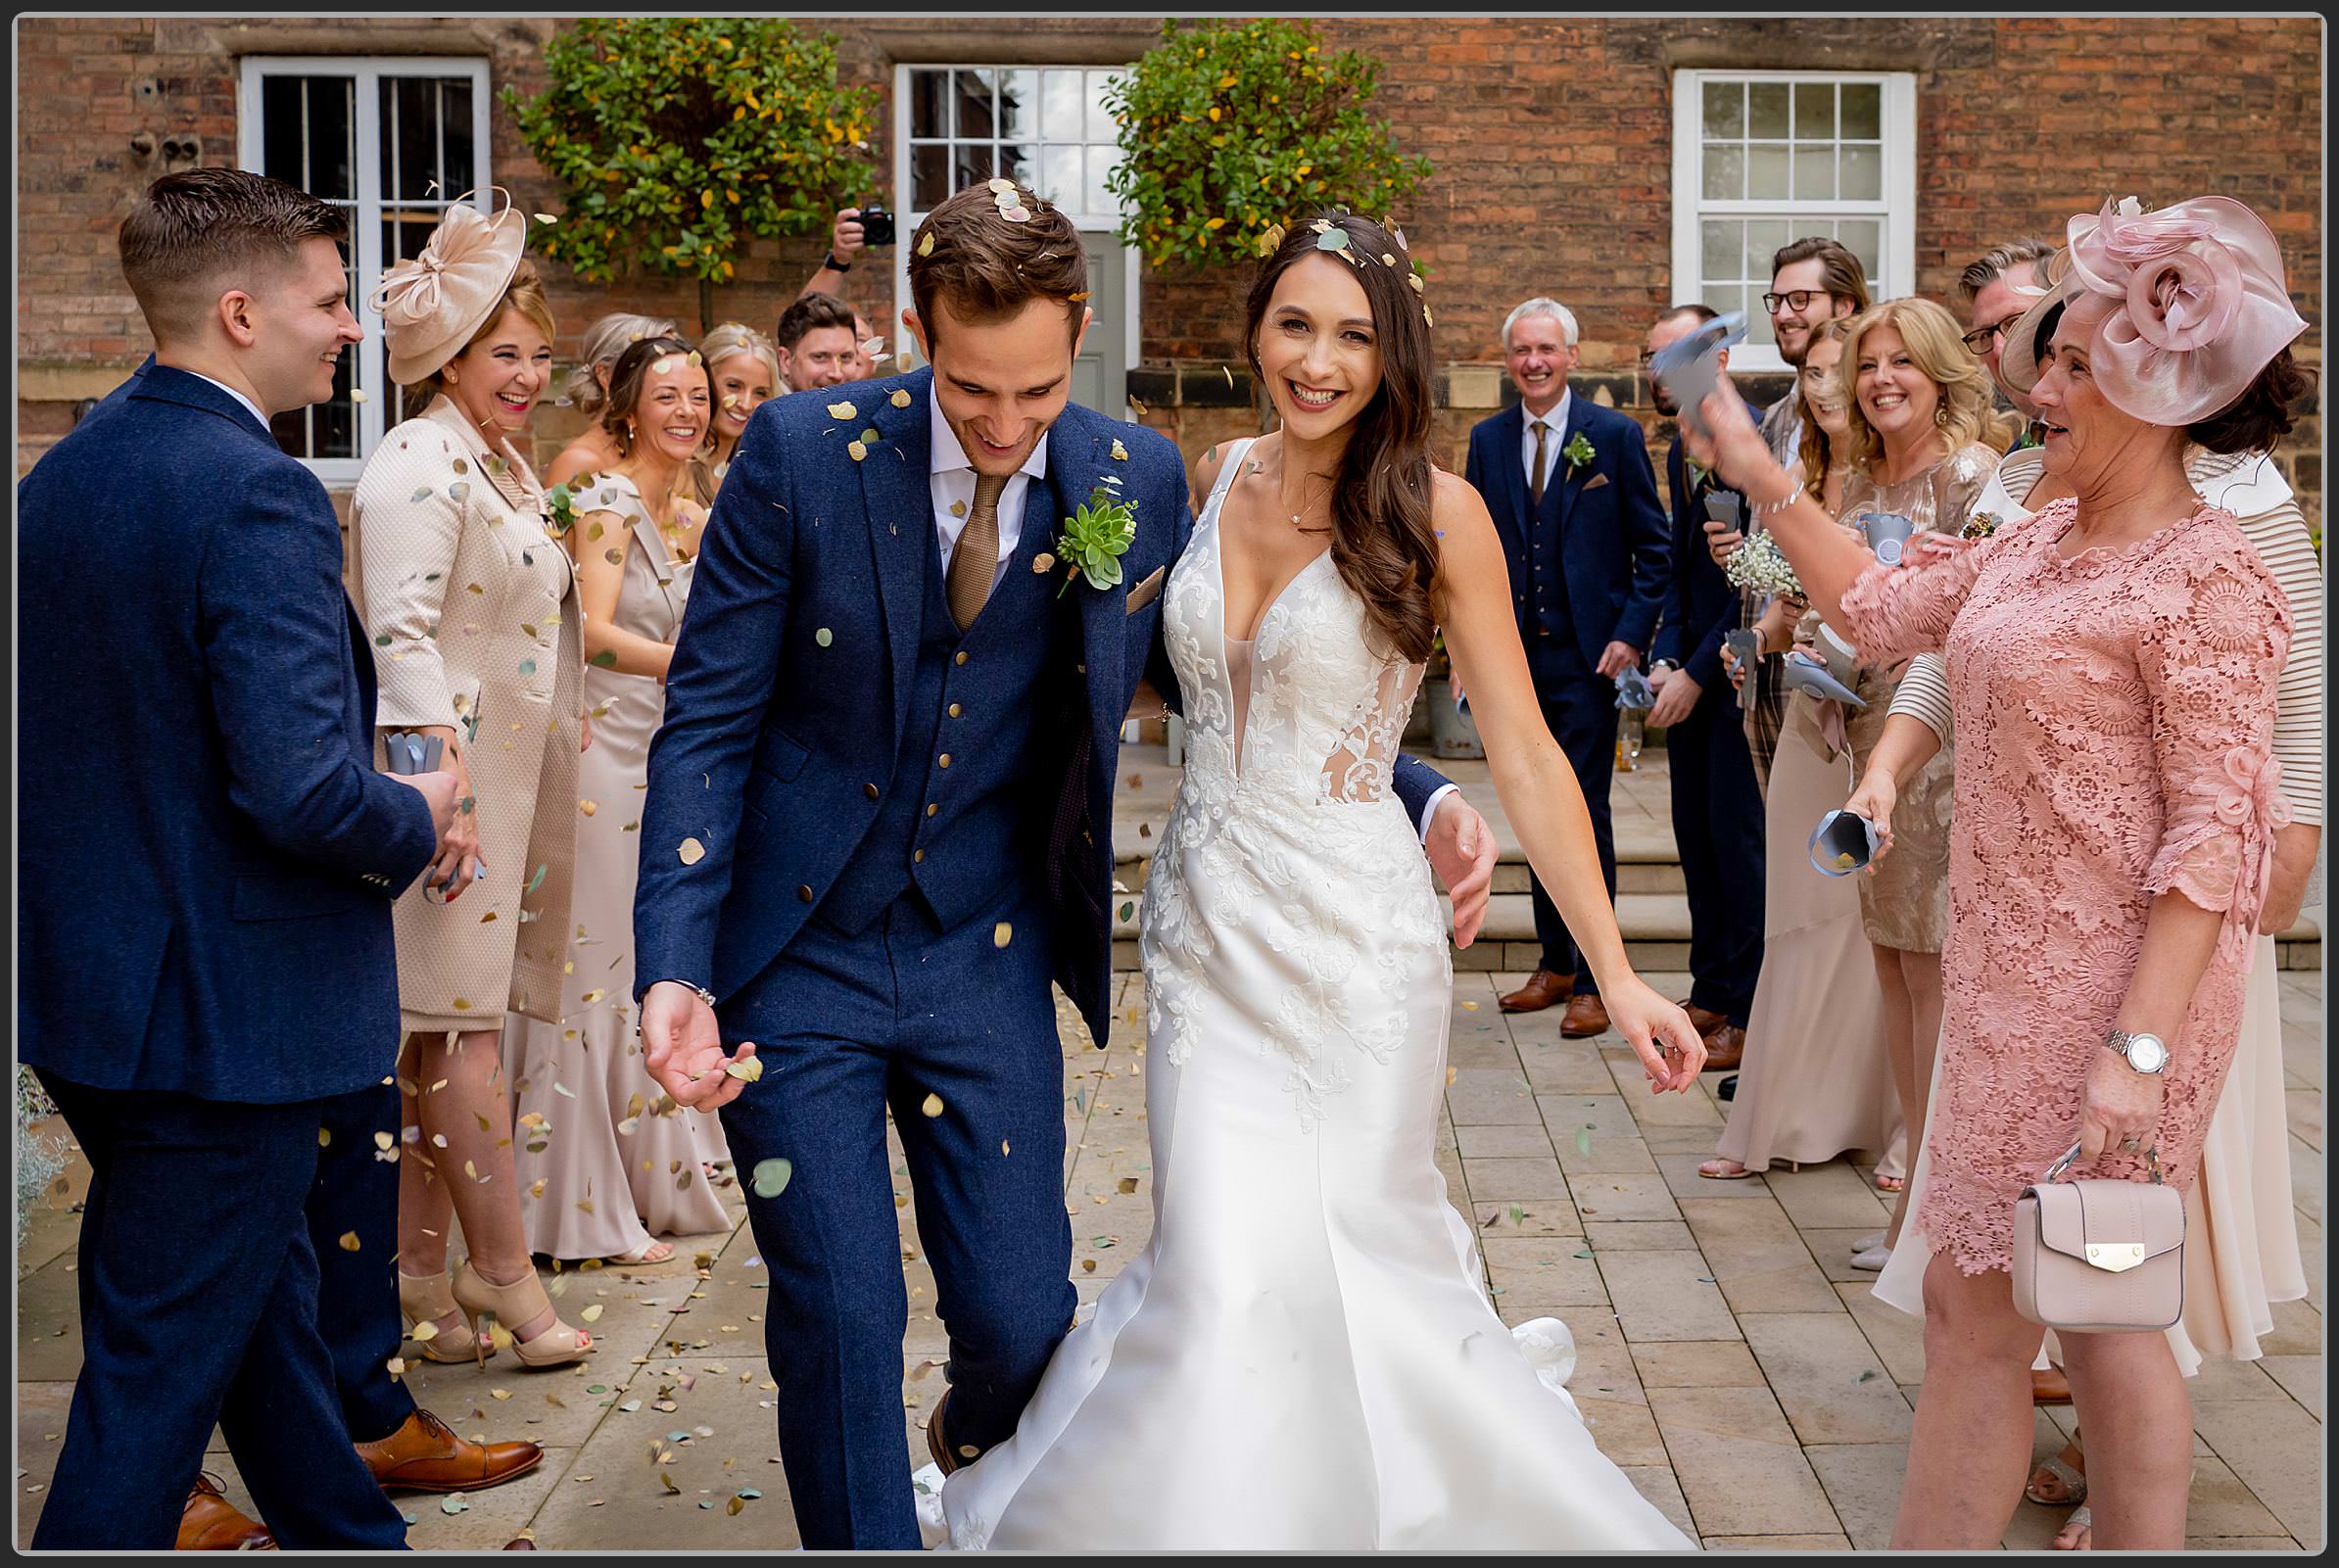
232	393
952	479
1557	421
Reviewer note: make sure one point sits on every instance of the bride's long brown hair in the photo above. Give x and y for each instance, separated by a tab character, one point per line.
1383	544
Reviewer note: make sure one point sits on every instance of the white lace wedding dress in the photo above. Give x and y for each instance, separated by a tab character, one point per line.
1304	1355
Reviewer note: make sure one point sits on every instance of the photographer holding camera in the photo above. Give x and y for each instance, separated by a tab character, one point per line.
855	227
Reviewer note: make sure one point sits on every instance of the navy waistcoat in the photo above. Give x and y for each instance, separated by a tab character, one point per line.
972	782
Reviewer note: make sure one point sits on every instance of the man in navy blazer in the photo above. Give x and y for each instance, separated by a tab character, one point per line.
1717	804
1571	491
879	824
208	860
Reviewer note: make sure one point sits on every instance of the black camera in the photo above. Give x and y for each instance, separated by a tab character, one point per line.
877	225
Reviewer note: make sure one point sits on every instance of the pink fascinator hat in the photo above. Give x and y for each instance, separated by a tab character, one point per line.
432	305
2184	307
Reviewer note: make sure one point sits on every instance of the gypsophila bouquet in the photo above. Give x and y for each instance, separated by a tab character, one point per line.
39	1160
1759	567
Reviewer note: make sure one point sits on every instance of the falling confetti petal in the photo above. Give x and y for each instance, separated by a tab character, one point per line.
771	1177
1002	933
926	246
900	397
933	1105
842	410
348	1241
824	637
324	1136
1120	453
1043	564
747	1071
692	851
858	451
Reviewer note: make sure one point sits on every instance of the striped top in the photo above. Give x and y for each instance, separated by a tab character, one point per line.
2248	485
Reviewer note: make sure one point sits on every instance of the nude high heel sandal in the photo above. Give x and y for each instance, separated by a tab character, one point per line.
426	1299
517	1303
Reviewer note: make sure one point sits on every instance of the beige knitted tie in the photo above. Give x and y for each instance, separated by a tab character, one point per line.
977	559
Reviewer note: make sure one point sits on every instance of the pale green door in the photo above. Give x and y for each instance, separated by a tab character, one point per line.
1101	374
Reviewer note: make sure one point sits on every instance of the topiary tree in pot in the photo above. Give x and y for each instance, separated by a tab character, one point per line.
679	140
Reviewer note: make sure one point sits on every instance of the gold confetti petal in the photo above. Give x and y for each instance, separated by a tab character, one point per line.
932	1104
900	397
1002	933
348	1241
692	851
747	1071
842	410
858	451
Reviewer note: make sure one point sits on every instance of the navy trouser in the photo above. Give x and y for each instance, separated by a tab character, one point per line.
848	1027
199	1303
1582	715
355	1191
1718	829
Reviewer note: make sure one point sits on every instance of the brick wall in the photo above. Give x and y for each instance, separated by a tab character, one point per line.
1552	140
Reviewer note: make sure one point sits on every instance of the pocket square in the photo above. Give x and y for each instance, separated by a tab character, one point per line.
1595	481
1147	592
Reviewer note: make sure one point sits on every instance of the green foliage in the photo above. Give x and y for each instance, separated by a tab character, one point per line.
1227	128
1097	535
678	139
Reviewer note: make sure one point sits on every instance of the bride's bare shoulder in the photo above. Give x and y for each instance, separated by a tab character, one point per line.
1455	505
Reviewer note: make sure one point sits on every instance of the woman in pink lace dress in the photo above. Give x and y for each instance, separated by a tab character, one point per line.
2111	668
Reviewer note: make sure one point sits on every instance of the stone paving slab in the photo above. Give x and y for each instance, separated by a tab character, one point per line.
1728	1356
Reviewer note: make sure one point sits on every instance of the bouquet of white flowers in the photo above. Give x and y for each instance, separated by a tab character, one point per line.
39	1161
1759	567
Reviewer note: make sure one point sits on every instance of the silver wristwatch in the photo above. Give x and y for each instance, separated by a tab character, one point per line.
2146	1053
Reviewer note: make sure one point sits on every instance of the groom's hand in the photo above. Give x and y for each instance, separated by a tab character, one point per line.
684	1048
1461	851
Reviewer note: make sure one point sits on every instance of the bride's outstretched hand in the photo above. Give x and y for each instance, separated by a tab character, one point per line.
1660	1033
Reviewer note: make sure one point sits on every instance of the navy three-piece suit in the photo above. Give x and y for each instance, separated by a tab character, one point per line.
907	835
208	860
1588	567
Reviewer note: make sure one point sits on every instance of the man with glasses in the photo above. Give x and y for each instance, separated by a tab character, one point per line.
1813	282
1992	291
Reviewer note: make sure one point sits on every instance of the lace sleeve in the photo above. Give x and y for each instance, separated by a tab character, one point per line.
2210	656
1895	611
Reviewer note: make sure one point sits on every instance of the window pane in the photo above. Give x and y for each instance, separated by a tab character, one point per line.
1862	173
1102	127
1102	161
969	162
930	102
1765	238
1767	109
1019	161
1863	109
308	134
1766	172
1815	111
1725	170
930	176
1062	174
1726	108
1019	104
409	107
460	173
1719	255
1061	114
1728	297
1863	237
1815	172
974	95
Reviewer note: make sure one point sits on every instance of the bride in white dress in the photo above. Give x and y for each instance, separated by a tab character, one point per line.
1305	1357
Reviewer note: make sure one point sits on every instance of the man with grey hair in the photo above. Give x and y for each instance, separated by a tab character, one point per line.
1574	497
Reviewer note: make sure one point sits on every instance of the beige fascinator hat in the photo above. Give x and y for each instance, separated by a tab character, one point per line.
433	303
2183	307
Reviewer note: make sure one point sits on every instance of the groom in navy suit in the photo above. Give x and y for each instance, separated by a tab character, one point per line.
1572	494
208	858
880	825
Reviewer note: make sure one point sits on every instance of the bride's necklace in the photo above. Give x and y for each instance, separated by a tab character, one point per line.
1257	472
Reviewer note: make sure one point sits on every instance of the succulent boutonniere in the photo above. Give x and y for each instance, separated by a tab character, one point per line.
1578	451
1093	541
560	504
1697	473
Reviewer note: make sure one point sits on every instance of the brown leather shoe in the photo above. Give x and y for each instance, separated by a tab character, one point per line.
2050	1386
1543	989
1704	1019
1587	1015
425	1455
210	1523
1725	1048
